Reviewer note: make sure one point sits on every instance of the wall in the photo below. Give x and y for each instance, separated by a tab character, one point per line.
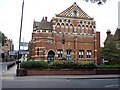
23	72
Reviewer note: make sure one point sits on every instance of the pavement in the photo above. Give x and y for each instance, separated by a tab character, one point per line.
11	75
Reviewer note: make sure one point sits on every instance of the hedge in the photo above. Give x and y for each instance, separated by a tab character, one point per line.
37	65
114	66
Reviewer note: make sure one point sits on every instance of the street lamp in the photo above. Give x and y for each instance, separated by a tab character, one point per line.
20	34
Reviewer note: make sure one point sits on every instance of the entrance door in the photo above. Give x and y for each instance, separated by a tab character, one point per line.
51	55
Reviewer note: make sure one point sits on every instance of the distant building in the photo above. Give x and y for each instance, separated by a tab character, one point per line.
8	46
70	36
115	38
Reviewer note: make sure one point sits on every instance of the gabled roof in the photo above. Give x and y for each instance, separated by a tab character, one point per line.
69	12
110	38
44	24
117	34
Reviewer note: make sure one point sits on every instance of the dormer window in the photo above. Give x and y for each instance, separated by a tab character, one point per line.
74	13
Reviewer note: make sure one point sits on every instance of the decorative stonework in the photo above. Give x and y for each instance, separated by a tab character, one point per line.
75	28
74	11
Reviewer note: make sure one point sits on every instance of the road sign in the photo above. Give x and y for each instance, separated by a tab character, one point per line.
13	52
23	44
23	52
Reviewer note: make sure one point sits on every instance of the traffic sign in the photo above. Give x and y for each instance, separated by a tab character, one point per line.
13	52
23	44
23	52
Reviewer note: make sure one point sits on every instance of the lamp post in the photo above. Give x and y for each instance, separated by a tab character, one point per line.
20	34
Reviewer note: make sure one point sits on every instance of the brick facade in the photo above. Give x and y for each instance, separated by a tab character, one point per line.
71	36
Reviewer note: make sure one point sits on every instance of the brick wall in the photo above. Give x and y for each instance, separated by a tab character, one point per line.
23	72
79	34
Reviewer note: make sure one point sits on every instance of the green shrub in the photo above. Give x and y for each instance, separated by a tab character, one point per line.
116	66
71	65
75	65
89	66
38	65
56	65
67	65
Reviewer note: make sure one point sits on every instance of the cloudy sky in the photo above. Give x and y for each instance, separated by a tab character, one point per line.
106	15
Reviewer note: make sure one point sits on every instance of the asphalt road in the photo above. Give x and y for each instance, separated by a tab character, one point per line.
66	83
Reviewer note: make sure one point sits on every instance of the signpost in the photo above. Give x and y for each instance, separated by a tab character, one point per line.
23	52
13	52
23	44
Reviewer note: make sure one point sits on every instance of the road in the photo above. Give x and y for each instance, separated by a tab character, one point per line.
61	83
9	80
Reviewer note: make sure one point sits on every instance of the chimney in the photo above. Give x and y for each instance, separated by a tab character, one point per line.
45	18
42	19
108	32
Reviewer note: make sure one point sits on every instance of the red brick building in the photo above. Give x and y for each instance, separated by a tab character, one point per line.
71	36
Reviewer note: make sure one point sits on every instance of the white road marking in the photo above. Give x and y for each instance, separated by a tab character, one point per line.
112	85
7	78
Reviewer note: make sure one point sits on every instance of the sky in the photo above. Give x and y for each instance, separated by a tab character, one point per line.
106	16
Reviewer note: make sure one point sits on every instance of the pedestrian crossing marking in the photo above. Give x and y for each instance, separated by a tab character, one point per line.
7	78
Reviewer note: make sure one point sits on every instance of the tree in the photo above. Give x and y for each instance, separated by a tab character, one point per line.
111	53
2	38
99	2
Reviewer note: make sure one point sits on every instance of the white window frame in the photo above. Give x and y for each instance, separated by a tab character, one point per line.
81	54
89	54
60	54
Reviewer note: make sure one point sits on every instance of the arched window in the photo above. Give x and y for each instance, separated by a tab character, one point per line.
67	24
68	21
74	13
62	24
81	22
71	28
88	23
58	27
79	29
90	29
38	53
58	24
64	20
60	20
71	25
67	27
83	29
87	29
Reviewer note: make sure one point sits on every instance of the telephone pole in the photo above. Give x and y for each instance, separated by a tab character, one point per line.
20	32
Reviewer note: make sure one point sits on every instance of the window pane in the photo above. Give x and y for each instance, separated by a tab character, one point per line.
81	54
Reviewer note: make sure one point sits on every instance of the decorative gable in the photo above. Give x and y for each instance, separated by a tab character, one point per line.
74	11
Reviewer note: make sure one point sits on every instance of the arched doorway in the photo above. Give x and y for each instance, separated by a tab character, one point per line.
51	55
